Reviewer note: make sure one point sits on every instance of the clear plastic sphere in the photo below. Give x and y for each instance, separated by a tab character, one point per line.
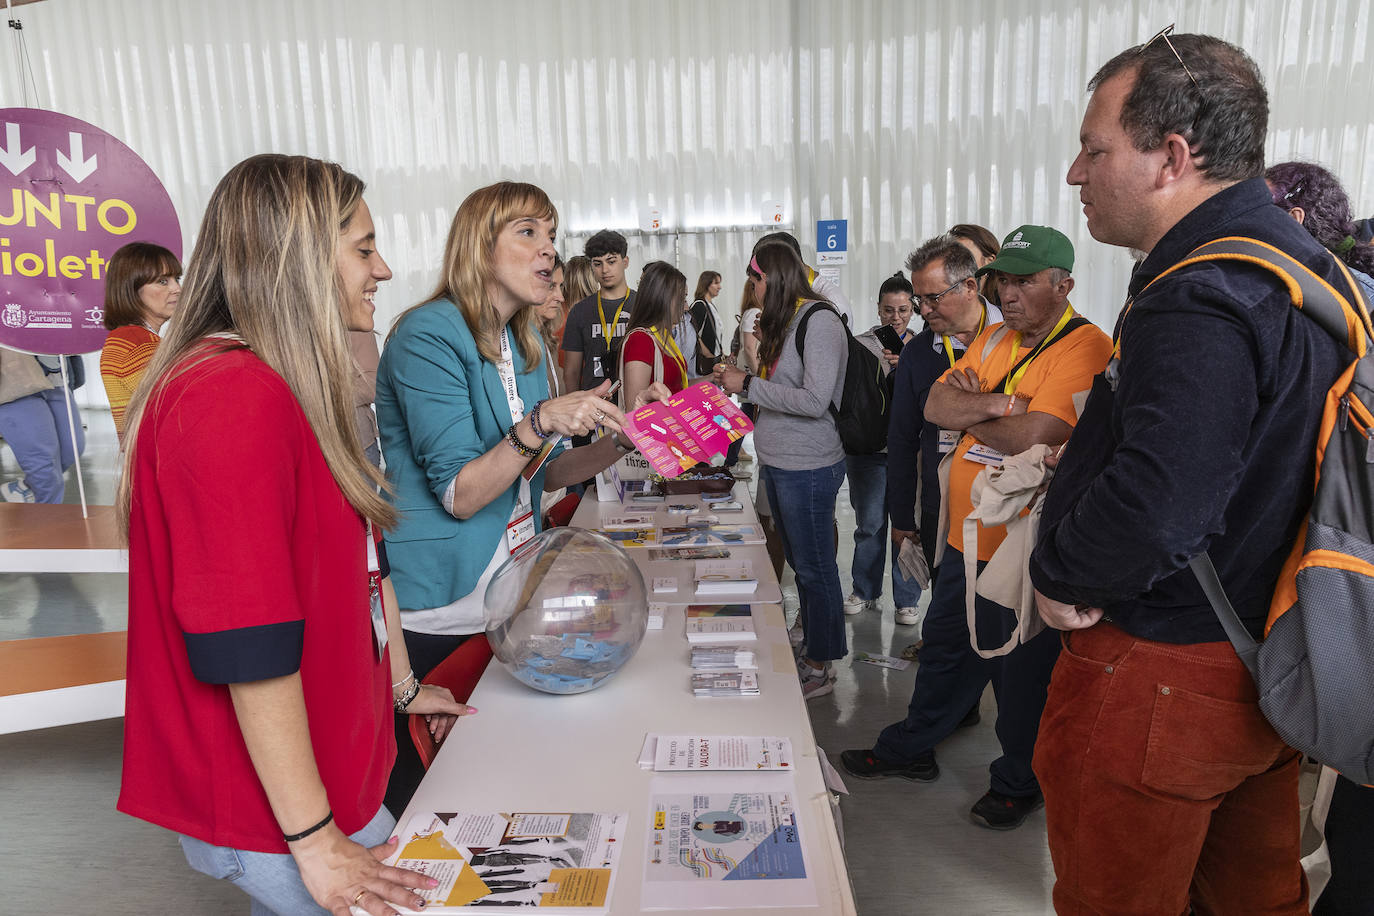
566	611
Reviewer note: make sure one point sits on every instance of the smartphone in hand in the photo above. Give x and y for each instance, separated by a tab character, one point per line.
889	339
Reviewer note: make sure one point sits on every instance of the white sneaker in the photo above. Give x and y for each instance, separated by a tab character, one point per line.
795	634
856	605
16	491
816	682
908	616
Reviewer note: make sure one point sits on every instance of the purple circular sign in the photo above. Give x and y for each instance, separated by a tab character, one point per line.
70	196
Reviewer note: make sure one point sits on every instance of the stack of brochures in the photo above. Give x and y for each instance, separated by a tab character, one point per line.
719	623
722	657
725	684
725	577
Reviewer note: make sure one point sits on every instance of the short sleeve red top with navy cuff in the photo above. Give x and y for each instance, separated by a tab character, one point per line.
245	563
639	348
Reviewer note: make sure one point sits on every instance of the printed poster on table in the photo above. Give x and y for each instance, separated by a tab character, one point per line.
553	862
687	429
724	840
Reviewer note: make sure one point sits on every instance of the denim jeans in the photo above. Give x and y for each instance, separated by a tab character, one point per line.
272	880
868	495
951	676
803	504
36	429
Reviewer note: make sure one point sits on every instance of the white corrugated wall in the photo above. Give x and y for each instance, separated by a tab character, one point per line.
901	117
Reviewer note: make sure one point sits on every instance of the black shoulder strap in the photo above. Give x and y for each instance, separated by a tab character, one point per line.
800	336
815	307
1073	324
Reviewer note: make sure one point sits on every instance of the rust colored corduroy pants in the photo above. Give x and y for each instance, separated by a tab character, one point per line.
1165	788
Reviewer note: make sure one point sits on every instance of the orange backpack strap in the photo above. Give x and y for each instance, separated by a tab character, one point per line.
1346	318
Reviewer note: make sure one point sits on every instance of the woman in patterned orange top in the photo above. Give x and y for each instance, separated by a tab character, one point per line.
142	286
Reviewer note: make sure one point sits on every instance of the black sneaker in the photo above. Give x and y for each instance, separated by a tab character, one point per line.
1005	812
863	764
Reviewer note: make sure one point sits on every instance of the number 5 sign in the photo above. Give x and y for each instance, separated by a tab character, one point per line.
832	241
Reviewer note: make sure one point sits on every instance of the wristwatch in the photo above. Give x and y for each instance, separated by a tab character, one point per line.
744	386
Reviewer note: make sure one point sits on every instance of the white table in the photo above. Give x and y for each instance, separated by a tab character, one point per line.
58	680
529	751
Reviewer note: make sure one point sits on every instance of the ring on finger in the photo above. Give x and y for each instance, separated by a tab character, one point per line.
358	896
598	416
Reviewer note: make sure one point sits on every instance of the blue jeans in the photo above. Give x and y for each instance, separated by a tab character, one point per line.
271	880
868	495
36	429
803	505
951	676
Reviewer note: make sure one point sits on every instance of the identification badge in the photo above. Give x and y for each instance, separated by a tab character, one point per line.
597	371
374	592
980	453
947	440
519	531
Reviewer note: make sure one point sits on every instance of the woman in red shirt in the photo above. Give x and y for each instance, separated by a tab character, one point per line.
258	719
648	353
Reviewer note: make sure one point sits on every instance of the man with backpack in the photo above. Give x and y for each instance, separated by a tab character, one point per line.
1018	384
1166	788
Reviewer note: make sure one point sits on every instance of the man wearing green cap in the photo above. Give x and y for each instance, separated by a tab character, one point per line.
1016	385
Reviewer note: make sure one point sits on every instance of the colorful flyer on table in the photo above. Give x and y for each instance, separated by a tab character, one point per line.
553	862
687	429
724	840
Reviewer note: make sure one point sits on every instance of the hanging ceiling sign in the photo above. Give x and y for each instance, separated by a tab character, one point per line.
70	196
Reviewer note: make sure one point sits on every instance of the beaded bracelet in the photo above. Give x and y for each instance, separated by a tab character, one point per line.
534	421
521	449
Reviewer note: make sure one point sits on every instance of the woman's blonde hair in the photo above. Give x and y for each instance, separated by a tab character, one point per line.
264	268
469	265
579	280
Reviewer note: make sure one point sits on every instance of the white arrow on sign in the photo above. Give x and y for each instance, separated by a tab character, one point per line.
76	165
12	154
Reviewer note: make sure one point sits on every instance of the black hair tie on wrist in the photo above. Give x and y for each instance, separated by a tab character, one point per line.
293	837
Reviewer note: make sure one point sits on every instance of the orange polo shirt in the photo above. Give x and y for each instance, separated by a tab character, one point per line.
1050	382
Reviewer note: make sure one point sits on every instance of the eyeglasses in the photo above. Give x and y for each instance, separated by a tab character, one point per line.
1164	33
934	300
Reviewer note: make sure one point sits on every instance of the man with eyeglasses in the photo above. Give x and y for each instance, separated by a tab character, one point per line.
1018	384
946	296
1166	790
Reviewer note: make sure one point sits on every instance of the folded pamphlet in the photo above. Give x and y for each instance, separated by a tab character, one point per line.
687	429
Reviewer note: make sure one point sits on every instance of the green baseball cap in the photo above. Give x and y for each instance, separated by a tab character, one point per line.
1031	249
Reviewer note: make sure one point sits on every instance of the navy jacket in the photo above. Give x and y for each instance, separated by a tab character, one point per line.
908	433
1208	441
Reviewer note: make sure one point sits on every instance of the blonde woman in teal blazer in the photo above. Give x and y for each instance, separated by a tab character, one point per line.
458	427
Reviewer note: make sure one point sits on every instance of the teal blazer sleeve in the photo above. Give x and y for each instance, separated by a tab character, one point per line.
440	405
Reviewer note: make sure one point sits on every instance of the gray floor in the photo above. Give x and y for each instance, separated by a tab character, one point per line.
911	848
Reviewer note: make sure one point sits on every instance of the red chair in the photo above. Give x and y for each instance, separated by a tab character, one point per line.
561	512
460	673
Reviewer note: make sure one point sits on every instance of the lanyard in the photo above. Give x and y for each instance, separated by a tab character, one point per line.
949	344
606	331
506	369
1120	326
672	349
1014	379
